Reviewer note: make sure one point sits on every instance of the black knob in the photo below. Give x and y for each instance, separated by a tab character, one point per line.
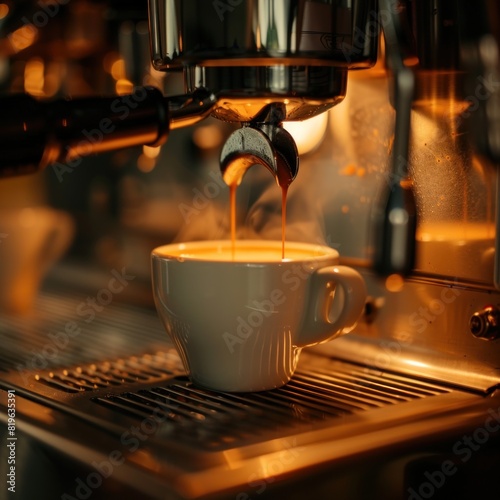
485	324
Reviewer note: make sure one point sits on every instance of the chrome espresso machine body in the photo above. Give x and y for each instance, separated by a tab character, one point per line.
402	179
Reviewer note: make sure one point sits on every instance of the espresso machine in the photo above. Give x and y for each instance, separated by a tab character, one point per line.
400	101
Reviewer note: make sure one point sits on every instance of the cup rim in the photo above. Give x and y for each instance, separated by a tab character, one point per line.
180	251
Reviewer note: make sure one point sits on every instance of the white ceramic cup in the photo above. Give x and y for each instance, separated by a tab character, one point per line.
239	320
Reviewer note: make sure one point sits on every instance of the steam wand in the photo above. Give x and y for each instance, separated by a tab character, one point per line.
395	220
35	134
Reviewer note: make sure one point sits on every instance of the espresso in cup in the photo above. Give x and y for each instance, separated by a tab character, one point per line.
239	314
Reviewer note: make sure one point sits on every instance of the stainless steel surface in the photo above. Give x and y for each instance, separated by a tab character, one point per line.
312	33
165	438
485	324
243	92
405	406
255	53
422	328
480	60
395	220
186	110
455	188
455	237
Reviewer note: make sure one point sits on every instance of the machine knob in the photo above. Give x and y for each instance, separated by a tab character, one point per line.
485	324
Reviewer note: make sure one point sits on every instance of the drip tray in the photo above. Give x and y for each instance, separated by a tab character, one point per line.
213	421
195	443
153	387
98	401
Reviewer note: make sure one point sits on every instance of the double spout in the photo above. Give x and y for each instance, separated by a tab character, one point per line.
265	142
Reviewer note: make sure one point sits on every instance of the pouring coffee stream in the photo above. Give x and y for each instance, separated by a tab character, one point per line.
261	142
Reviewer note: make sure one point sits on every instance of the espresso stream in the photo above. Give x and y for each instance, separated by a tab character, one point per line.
284	180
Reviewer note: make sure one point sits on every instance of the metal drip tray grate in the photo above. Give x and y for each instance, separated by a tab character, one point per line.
119	388
216	421
98	375
56	334
142	369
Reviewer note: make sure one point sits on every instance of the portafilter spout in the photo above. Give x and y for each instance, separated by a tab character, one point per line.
265	142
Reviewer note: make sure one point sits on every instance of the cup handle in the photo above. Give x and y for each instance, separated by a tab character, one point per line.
325	298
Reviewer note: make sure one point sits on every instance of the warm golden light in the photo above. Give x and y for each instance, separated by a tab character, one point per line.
145	164
34	77
118	69
109	60
394	283
23	37
418	364
207	137
53	79
4	10
308	133
456	231
154	77
124	86
151	152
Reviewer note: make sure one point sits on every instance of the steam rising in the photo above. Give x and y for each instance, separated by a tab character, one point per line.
259	200
258	211
330	200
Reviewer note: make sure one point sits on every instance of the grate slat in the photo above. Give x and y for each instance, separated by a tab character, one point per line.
218	421
103	368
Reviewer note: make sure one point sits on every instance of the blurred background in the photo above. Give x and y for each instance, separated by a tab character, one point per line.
101	215
123	204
